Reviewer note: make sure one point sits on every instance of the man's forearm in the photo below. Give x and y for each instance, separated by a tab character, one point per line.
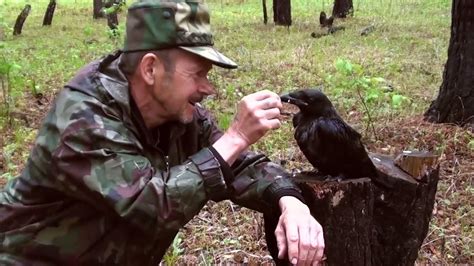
230	146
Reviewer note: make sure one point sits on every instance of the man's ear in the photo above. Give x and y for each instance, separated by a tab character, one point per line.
148	67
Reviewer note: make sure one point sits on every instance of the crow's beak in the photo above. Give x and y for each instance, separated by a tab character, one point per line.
287	98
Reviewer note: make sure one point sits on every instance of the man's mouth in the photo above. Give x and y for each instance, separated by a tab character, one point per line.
195	101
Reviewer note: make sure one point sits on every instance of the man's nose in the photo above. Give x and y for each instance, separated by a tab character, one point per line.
206	88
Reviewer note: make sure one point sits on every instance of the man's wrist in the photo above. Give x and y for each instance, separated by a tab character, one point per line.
289	202
286	202
230	146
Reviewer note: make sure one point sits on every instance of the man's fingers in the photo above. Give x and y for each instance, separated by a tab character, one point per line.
304	244
268	114
319	243
270	102
314	231
273	123
264	100
292	242
260	95
281	240
311	258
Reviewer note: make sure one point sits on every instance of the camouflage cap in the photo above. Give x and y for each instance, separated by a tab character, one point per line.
160	24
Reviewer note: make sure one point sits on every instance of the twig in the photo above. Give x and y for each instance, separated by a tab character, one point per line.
444	237
370	122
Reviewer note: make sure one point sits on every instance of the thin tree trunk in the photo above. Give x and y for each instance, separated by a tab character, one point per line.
265	15
455	101
342	8
112	21
111	14
48	15
21	19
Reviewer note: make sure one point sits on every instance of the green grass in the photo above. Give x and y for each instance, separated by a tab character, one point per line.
407	49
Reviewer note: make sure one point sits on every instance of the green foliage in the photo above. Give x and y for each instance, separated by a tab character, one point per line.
376	91
224	120
8	81
175	251
374	94
471	144
116	7
16	148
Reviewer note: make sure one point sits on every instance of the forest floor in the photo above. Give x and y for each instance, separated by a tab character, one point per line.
397	69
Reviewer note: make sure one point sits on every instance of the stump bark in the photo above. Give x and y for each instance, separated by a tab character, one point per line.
20	20
48	15
379	220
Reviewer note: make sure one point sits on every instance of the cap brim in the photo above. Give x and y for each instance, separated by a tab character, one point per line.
212	55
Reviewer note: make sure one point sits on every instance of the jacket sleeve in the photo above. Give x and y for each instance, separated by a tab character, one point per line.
99	161
255	182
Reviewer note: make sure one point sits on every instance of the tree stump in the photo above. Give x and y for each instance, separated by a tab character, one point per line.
379	220
21	19
344	210
48	15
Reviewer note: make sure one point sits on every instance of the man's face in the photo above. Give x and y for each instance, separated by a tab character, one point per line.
178	89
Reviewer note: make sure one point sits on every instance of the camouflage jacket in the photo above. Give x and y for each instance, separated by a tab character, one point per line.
99	188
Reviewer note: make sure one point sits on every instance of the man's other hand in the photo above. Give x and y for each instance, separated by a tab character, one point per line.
298	234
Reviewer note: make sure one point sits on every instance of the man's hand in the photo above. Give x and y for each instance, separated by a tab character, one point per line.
257	113
298	234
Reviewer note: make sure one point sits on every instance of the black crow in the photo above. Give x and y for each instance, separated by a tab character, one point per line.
329	144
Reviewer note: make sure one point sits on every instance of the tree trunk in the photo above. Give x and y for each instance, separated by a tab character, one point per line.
21	19
111	14
455	101
112	20
282	12
97	11
380	220
342	8
265	16
48	16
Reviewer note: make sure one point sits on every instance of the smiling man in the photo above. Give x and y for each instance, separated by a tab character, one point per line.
127	155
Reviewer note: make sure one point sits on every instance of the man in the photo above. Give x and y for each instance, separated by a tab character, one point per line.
127	155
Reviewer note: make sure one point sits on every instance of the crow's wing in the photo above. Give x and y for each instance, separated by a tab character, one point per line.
333	147
348	153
